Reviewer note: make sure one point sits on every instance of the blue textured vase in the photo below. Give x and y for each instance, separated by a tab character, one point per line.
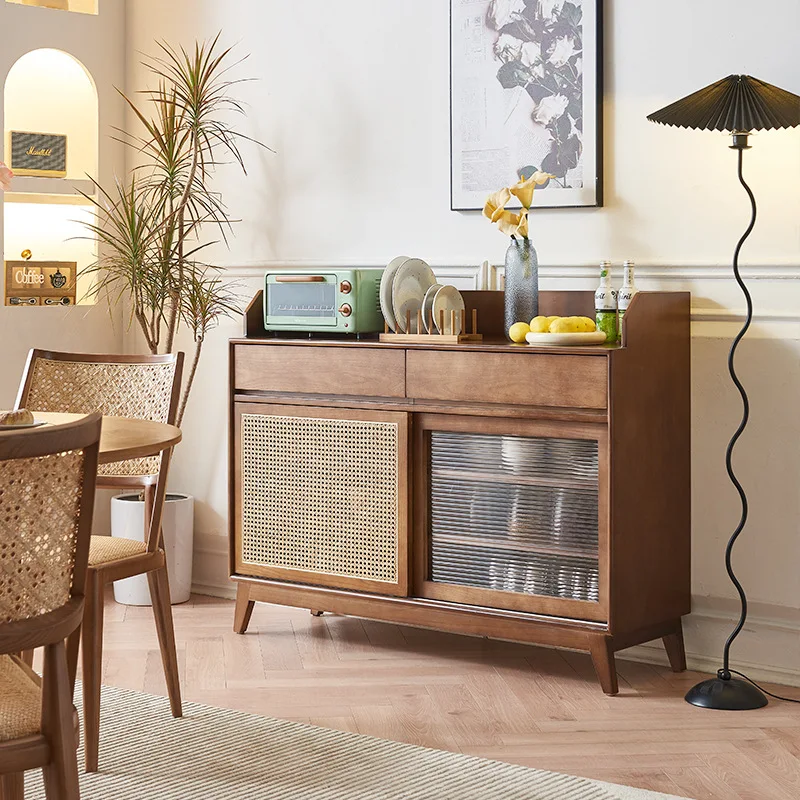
522	282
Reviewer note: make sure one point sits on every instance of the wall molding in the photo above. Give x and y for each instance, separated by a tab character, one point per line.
684	274
767	650
652	271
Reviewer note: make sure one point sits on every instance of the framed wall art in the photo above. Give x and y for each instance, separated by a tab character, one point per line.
526	94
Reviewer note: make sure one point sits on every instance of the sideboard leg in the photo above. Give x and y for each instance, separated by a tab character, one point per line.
244	608
315	613
604	664
673	644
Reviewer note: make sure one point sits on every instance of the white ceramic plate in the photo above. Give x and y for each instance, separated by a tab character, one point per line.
448	299
24	425
561	339
427	308
387	280
411	281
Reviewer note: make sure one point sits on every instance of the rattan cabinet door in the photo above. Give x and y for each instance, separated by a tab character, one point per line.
321	496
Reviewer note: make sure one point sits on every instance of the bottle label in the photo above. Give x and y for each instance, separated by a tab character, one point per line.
605	299
624	298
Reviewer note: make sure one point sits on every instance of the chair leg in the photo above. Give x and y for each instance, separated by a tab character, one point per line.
26	656
12	786
61	774
73	647
162	611
149	501
92	644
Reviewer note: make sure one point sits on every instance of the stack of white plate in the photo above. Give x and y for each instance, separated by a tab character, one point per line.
408	287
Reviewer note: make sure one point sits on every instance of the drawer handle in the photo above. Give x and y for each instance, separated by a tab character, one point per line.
300	279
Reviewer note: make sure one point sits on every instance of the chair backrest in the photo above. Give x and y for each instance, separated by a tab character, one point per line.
140	387
47	488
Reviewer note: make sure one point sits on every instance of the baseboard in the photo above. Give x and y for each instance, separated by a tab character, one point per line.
227	592
768	648
654	654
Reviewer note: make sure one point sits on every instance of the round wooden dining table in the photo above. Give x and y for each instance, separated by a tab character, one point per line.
123	438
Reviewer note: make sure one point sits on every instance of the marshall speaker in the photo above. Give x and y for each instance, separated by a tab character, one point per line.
39	154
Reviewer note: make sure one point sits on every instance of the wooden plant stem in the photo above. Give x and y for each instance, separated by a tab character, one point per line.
180	213
189	382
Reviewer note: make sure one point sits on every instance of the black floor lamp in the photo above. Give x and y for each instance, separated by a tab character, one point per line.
739	105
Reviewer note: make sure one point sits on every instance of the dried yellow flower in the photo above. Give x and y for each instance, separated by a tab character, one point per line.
523	190
495	204
514	224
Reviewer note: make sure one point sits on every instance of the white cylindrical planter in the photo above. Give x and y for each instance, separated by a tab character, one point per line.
127	522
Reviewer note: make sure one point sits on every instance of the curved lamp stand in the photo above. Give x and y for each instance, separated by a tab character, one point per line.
726	692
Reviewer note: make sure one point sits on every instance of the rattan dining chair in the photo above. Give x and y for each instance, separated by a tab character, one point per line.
47	487
142	387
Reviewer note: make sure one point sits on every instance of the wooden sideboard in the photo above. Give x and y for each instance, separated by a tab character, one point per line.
534	494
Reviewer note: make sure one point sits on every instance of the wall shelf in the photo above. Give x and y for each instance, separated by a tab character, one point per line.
77	6
50	191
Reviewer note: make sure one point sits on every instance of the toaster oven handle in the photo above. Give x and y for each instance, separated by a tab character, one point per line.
300	279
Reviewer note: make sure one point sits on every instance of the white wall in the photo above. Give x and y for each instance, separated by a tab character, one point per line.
96	41
354	97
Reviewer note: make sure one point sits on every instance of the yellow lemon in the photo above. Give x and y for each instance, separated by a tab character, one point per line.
518	331
589	325
540	325
565	325
551	320
579	324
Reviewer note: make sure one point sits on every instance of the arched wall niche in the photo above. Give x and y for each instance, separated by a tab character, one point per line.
50	91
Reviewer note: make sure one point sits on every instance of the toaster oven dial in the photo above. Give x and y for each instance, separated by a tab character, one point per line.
345	287
345	310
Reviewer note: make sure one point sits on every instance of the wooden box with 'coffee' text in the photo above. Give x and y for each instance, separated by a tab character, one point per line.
40	283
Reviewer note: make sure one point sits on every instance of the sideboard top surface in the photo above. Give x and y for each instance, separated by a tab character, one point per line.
487	346
649	312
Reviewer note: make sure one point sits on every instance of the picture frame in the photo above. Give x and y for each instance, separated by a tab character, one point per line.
526	88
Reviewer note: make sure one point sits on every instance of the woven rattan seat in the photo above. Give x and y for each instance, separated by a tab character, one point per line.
20	702
111	548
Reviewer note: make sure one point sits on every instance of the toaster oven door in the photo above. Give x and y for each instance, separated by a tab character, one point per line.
300	301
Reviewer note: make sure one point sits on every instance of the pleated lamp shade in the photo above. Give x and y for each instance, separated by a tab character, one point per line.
737	104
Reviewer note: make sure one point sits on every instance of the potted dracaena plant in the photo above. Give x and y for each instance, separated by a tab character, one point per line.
153	229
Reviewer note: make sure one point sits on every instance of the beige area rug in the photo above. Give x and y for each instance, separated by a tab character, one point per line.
216	754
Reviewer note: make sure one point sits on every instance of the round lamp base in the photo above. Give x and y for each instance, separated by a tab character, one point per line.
726	694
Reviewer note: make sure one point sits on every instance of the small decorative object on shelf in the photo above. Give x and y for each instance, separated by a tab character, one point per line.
627	291
522	264
605	304
40	283
39	154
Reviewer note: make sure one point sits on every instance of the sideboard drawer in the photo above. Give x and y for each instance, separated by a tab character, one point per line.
319	370
534	379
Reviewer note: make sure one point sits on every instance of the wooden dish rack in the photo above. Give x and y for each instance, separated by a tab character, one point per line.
434	337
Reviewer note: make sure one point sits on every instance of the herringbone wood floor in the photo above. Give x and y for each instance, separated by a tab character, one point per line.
526	705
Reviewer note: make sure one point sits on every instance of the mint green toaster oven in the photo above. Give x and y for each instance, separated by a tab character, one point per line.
332	301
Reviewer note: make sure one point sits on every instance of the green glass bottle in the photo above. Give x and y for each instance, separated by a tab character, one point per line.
605	304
